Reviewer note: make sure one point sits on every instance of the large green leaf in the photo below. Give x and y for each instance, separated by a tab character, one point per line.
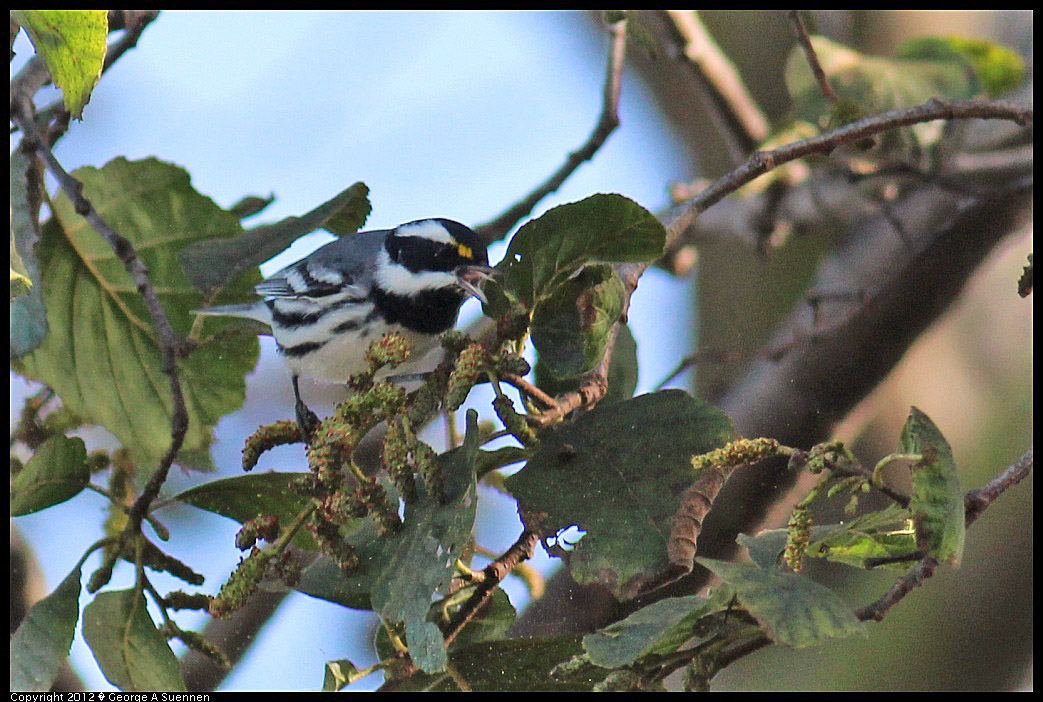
211	264
937	501
617	473
101	355
57	472
41	644
250	496
600	229
792	609
72	44
131	653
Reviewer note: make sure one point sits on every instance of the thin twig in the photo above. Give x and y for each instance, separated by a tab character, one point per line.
529	389
809	52
492	575
705	356
977	501
607	123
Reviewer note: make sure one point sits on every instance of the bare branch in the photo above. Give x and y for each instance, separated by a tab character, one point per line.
607	123
764	161
809	51
703	51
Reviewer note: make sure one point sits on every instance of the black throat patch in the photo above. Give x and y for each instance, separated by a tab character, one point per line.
426	312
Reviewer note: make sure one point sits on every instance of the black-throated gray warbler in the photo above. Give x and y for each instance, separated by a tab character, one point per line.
326	309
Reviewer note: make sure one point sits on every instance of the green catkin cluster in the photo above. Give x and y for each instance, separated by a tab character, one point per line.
798	537
197	642
512	421
737	453
507	362
514	324
395	458
288	569
331	544
470	365
241	584
375	500
264	528
178	599
268	437
390	350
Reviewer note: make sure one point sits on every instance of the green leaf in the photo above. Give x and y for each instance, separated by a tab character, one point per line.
250	496
337	675
28	316
72	44
101	355
599	229
491	623
212	263
622	372
131	653
881	534
419	560
793	610
868	84
937	500
251	205
57	472
507	666
570	328
659	628
617	473
41	644
998	69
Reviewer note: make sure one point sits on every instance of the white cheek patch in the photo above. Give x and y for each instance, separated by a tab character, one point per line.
397	279
427	229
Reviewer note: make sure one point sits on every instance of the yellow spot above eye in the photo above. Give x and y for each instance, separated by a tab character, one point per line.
465	251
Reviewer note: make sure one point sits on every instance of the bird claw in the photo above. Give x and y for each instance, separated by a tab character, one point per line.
308	421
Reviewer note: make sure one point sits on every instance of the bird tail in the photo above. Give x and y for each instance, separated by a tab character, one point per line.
256	310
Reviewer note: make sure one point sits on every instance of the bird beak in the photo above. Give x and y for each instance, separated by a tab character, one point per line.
470	277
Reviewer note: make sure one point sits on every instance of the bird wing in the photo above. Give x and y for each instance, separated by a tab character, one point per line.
342	266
